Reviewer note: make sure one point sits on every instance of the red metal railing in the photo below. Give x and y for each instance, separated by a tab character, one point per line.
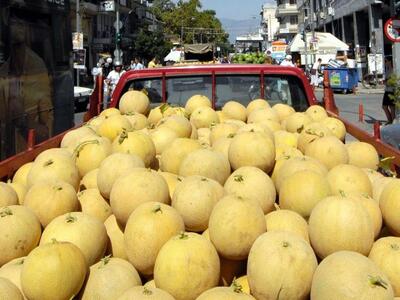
374	139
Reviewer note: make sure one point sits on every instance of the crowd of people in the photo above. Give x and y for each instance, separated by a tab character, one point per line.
113	70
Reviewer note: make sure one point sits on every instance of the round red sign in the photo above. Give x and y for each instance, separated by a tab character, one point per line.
392	30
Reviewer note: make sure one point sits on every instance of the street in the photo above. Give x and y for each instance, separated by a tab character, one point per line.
348	108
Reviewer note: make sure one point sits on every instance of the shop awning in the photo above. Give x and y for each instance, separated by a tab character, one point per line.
324	42
174	55
198	48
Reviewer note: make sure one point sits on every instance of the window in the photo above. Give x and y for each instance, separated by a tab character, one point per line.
286	90
292	2
153	88
180	89
241	88
293	20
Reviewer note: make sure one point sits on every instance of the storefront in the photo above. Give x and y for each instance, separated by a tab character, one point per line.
36	83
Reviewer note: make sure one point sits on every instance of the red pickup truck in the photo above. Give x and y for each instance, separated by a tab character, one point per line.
220	83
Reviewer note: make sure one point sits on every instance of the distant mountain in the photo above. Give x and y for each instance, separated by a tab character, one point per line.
240	27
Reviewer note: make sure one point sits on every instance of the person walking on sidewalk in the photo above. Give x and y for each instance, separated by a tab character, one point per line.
387	101
315	71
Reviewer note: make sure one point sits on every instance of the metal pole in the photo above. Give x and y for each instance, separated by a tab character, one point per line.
118	56
306	6
375	57
78	29
181	32
312	28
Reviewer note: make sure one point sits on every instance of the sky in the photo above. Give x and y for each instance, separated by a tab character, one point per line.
235	9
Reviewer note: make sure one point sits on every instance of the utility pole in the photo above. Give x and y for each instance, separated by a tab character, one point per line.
312	29
118	33
181	33
78	30
306	10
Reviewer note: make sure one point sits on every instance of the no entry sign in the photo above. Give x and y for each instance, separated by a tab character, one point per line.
392	30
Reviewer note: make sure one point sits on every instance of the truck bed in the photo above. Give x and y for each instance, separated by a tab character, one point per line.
10	165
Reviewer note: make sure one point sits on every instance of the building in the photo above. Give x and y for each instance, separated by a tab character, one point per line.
287	15
269	23
249	42
98	26
358	23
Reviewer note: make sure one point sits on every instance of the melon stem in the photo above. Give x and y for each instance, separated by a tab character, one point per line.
80	146
377	281
6	211
70	218
157	209
237	288
146	291
183	236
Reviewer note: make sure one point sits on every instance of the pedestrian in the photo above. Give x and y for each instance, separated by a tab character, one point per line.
132	66
153	63
287	62
112	80
268	58
225	60
315	71
97	71
137	65
387	101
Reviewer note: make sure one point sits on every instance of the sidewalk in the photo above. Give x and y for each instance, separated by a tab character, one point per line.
362	90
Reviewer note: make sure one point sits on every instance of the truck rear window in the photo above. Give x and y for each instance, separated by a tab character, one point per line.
180	89
241	87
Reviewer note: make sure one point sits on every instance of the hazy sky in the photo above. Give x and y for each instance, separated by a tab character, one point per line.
235	9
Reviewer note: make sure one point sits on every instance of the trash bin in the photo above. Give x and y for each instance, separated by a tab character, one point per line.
343	79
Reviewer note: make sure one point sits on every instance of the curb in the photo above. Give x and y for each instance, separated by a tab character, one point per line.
360	91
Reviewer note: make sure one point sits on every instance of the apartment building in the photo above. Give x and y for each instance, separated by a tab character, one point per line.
97	25
269	23
358	23
287	16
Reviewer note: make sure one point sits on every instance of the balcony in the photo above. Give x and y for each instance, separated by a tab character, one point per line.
287	28
286	9
88	7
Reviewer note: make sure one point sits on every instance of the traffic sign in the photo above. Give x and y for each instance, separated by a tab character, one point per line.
107	6
392	30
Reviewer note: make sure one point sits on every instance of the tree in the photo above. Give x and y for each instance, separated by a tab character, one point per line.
149	44
161	6
187	20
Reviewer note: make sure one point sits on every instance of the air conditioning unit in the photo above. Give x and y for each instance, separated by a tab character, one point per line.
322	15
331	11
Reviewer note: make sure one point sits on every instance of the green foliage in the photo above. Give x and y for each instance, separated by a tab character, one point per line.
162	6
189	14
149	44
394	82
